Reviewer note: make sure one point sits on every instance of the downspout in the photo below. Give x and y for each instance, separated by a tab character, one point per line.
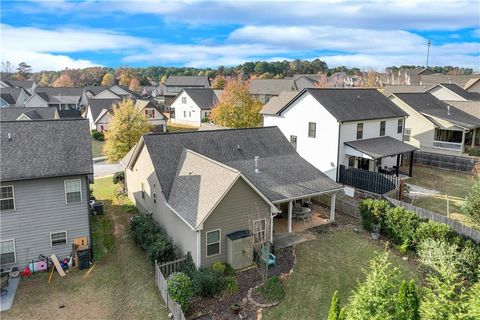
338	152
198	258
89	218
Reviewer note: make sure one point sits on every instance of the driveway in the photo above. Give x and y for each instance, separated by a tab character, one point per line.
104	169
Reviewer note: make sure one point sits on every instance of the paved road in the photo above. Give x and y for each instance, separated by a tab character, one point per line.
103	169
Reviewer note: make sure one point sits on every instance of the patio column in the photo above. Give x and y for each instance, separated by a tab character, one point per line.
290	209
463	142
332	207
398	165
473	137
410	170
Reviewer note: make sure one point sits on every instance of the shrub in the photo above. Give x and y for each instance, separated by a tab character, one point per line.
400	225
118	176
272	289
434	230
334	311
179	287
231	285
207	283
474	152
161	250
188	267
408	303
471	206
219	267
97	135
474	302
373	212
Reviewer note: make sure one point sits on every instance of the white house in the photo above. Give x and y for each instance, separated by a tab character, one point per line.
357	128
193	106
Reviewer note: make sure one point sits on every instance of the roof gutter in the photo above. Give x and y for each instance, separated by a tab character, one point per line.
306	196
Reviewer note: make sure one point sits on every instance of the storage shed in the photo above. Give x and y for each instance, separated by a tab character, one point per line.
240	249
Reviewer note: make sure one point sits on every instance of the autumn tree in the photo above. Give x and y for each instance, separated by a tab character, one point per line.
126	76
108	79
237	108
322	81
219	82
125	128
64	80
134	85
163	80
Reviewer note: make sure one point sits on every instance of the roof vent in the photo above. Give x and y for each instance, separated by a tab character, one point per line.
9	137
238	147
358	97
257	169
448	109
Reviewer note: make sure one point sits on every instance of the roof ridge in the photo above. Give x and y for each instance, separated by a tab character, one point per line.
61	119
213	161
203	131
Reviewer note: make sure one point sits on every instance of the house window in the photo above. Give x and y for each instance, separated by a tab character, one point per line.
58	238
154	198
351	162
7	200
312	129
143	191
382	128
359	131
293	141
150	113
184	100
400	126
7	252
213	243
259	231
189	114
184	114
407	134
73	191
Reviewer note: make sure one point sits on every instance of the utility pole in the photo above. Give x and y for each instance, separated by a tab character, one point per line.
429	43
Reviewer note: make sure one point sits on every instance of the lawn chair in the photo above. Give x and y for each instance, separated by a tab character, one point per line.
267	257
4	283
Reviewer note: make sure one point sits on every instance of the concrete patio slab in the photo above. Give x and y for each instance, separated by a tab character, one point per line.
6	300
287	240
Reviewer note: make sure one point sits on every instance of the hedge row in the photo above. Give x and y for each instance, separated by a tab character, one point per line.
153	240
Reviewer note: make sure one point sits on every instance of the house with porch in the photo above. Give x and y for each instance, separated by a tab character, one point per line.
437	126
63	98
342	127
204	186
193	106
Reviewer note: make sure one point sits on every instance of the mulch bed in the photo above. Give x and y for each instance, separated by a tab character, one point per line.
219	306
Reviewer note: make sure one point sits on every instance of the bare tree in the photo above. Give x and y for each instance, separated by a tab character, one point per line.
7	67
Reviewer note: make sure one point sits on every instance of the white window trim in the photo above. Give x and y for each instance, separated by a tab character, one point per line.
65	190
14	248
219	243
264	230
66	238
13	195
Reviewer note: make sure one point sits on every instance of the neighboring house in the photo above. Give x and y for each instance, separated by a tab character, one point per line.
153	114
436	126
202	186
91	91
412	76
193	106
45	173
264	89
452	92
13	97
28	85
11	114
175	85
357	128
63	98
389	89
433	79
116	92
473	85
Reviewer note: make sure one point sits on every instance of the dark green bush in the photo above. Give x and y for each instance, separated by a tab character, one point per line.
161	250
188	267
207	282
231	285
272	289
118	176
179	287
373	212
401	226
219	267
434	230
97	135
474	152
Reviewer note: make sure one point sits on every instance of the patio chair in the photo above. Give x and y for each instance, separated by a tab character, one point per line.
267	257
4	284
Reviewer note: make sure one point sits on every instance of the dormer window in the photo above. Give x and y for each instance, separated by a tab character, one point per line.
184	100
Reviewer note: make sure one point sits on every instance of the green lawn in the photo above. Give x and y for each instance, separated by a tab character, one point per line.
178	128
97	148
332	262
456	184
121	285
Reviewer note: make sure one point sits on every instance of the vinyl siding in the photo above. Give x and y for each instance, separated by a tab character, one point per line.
233	213
35	101
40	209
193	114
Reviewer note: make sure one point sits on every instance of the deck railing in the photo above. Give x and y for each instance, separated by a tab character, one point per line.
368	180
455	146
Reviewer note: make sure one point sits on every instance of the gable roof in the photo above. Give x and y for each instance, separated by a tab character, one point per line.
429	106
19	83
204	98
270	86
70	95
470	107
12	94
45	148
141	104
188	81
64	114
381	147
346	104
275	104
284	174
97	105
95	89
11	114
470	83
389	89
8	98
460	91
458	79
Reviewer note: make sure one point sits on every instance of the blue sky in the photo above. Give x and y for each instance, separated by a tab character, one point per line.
53	35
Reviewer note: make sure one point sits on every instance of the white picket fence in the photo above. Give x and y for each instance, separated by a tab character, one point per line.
161	283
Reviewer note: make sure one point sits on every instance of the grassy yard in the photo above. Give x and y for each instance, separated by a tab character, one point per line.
97	148
456	184
120	286
173	127
332	262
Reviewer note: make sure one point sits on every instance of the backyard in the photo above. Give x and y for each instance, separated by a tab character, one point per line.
454	184
120	286
97	148
333	261
173	127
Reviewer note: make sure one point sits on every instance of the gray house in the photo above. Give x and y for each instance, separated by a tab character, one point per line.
13	97
204	186
45	174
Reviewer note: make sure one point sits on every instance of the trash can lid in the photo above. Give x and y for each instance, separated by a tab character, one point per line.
238	234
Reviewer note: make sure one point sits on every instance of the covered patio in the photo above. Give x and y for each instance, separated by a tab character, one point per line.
378	154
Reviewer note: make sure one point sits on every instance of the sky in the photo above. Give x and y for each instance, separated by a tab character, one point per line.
373	34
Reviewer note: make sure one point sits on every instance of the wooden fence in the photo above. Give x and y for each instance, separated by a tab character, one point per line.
344	205
162	272
448	162
368	180
426	214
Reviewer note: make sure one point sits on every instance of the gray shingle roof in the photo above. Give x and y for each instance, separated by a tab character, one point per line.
97	105
188	81
12	113
205	98
19	83
381	147
353	104
427	104
474	96
270	86
69	95
14	93
470	83
44	148
8	98
284	174
389	89
275	104
434	79
69	114
470	107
